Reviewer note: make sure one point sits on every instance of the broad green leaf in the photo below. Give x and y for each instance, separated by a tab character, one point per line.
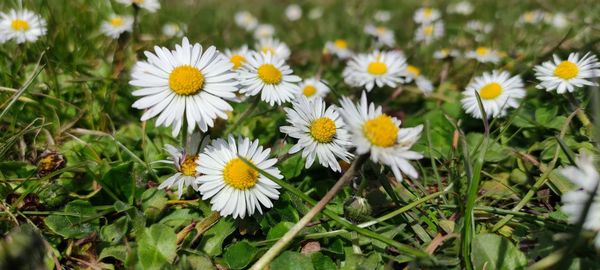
117	252
279	230
154	202
194	261
119	181
78	219
115	231
491	251
322	262
156	247
239	254
290	260
212	240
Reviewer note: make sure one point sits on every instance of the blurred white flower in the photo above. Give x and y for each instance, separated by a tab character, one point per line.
531	17
428	33
173	30
274	46
293	12
246	20
315	13
446	53
264	31
150	5
339	48
313	88
382	35
414	73
375	69
426	15
382	16
117	25
484	55
462	7
21	26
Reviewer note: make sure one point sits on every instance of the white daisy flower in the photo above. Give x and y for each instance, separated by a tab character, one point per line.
313	88
381	34
484	55
117	25
293	12
21	26
246	20
427	33
426	15
233	187
150	5
264	31
479	26
315	13
184	161
184	84
339	48
586	178
171	30
462	7
414	73
382	16
276	47
377	68
498	92
446	53
269	76
238	57
531	17
558	20
569	74
378	133
320	131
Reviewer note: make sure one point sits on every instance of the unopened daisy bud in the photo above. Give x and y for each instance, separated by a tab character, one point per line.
357	209
50	161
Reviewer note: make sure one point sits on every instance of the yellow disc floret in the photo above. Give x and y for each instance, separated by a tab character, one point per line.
381	131
323	129
309	90
239	175
186	80
269	74
415	71
341	43
116	21
481	51
19	25
188	167
428	30
237	60
566	70
490	91
377	68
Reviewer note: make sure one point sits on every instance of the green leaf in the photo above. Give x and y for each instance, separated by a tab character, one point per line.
115	231
545	115
322	262
117	252
279	230
157	247
194	261
119	181
179	218
77	220
212	241
154	202
292	166
239	254
290	260
491	251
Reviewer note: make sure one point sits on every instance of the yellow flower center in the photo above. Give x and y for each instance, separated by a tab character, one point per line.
428	30
188	167
309	90
427	12
490	91
415	71
268	49
377	68
566	70
481	51
138	2
381	131
341	43
186	80
380	29
239	175
116	21
19	25
237	60
269	74
323	130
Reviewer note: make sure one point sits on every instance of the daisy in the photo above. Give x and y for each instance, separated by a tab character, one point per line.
484	55
244	19
377	68
414	73
446	53
382	16
531	17
315	13
276	47
117	25
479	26
150	5
293	12
320	131
380	134
184	84
173	30
426	15
429	32
269	76
21	26
498	92
184	161
558	20
339	48
313	88
569	74
237	57
382	35
462	7
264	31
233	187
586	179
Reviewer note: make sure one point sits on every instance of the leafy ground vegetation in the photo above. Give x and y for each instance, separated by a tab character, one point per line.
461	168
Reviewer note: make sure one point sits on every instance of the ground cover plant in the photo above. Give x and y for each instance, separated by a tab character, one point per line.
147	134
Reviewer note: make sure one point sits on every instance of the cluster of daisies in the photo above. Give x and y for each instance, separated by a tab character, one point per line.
117	24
